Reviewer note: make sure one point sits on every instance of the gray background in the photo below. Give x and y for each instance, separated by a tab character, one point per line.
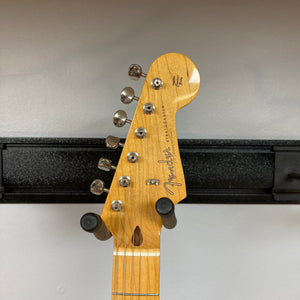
62	66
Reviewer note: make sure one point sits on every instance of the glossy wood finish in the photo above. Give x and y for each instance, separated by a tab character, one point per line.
136	268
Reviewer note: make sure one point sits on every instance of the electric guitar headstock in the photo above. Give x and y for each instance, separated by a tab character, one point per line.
149	178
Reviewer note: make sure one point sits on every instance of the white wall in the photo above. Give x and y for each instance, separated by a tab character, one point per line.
62	66
215	252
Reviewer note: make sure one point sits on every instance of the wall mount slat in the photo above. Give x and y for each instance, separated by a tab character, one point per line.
60	170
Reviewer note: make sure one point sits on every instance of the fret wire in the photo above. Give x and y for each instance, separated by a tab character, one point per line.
135	294
136	253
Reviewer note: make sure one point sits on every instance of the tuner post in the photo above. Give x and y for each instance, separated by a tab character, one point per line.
93	223
166	209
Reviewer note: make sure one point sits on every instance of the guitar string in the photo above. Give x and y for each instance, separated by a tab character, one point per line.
133	236
141	215
157	271
156	188
158	142
148	202
133	239
124	257
116	259
141	221
134	204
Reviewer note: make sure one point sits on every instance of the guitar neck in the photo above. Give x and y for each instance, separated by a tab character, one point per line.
136	257
136	273
149	178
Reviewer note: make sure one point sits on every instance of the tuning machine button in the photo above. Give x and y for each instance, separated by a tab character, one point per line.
127	95
113	142
120	118
105	164
135	71
97	187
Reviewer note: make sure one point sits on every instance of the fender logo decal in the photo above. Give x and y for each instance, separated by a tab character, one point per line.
169	162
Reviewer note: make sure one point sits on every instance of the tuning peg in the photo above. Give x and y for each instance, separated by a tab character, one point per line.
120	118
113	142
135	71
97	187
166	209
127	95
93	223
105	164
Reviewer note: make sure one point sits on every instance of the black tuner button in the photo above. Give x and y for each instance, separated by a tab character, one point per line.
93	223
166	209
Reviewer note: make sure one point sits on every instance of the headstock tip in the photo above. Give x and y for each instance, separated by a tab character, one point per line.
180	76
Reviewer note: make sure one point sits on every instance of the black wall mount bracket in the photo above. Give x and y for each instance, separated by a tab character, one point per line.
287	174
1	173
60	170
